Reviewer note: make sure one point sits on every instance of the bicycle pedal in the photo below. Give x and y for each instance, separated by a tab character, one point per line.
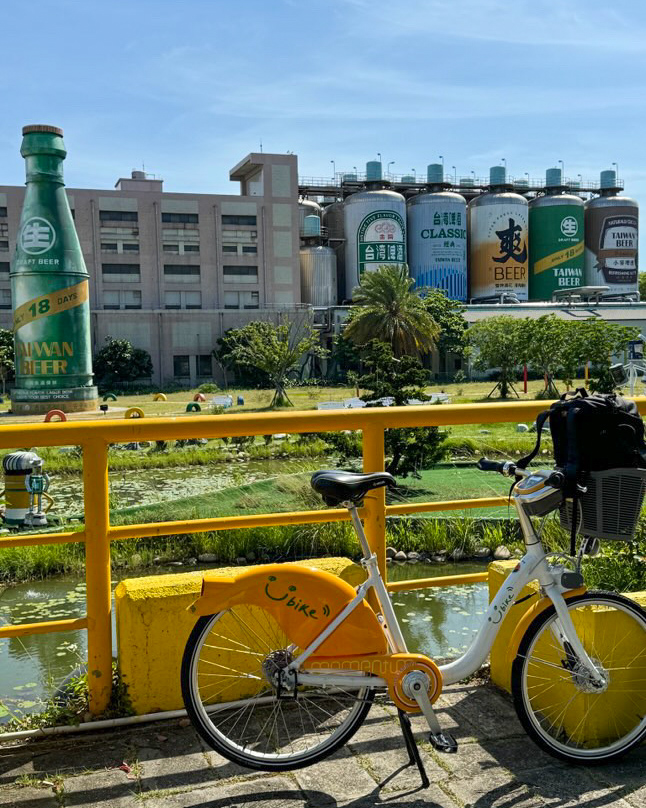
443	742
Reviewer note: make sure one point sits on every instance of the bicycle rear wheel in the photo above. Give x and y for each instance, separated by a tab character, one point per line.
230	693
557	701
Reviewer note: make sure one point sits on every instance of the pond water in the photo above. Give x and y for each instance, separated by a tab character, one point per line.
439	622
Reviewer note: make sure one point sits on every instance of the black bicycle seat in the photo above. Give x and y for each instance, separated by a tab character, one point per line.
342	486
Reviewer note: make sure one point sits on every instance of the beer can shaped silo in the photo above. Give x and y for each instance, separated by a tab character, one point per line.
555	240
437	242
318	276
374	223
611	233
498	241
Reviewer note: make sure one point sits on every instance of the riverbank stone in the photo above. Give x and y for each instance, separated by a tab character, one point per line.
502	553
400	555
207	558
482	552
391	552
413	556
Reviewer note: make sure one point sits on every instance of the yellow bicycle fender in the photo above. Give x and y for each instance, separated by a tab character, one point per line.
303	601
526	620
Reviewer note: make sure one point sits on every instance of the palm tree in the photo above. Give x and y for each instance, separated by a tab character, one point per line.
388	310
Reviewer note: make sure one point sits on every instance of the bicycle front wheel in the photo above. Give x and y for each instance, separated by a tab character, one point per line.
229	675
559	704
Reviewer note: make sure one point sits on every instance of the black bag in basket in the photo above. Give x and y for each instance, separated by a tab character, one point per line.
591	433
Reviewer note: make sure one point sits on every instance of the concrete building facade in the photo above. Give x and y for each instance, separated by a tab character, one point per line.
171	272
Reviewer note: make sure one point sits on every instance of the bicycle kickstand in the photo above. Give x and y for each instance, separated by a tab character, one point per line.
414	756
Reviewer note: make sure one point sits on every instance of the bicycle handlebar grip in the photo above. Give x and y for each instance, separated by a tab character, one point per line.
490	465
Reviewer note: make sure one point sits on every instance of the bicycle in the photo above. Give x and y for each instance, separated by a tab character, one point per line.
284	661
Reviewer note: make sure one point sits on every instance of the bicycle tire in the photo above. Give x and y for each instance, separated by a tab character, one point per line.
248	665
594	727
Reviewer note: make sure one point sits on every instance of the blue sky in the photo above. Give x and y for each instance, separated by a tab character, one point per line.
188	87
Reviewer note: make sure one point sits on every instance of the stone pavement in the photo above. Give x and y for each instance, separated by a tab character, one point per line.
165	765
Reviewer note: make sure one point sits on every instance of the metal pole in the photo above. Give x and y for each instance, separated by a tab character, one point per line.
97	574
374	519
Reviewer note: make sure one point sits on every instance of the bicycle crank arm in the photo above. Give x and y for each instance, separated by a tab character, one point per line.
416	685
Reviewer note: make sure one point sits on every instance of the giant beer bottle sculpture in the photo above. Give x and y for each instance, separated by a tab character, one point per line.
49	288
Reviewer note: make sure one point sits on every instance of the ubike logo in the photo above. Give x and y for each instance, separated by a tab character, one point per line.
291	601
37	236
501	609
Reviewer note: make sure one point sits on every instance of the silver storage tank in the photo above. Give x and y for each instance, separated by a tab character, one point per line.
611	233
306	207
333	223
318	276
498	241
437	242
374	223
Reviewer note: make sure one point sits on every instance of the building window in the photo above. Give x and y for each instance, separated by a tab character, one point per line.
132	248
118	216
183	218
125	273
191	248
5	298
234	274
250	300
4	245
182	269
3	212
111	300
230	248
231	300
131	299
172	300
4	266
171	248
181	367
193	300
108	247
204	365
244	220
252	249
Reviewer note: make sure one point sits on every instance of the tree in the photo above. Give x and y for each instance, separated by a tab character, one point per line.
390	311
7	367
498	343
118	361
449	316
408	450
598	341
642	285
274	350
245	375
545	347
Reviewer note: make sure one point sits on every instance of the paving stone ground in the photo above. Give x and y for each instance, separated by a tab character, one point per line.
166	765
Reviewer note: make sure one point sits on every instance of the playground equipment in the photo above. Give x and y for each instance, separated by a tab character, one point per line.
193	406
134	412
25	485
160	397
59	415
110	397
199	397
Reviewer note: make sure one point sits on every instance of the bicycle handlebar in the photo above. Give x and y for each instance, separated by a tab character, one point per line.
490	465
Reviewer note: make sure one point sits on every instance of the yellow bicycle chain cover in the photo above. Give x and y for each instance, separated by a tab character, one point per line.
303	601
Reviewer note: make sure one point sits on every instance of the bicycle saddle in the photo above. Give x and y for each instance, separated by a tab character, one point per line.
340	486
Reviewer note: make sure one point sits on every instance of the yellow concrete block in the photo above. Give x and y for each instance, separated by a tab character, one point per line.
500	665
153	627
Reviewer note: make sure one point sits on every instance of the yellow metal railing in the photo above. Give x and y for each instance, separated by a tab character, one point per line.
95	438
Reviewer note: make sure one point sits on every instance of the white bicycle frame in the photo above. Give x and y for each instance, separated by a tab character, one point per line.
532	566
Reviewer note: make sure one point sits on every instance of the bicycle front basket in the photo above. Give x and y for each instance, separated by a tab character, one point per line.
611	506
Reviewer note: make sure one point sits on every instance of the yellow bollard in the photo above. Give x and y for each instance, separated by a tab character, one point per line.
97	574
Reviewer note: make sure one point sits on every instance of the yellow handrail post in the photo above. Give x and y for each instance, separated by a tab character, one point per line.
97	573
374	518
